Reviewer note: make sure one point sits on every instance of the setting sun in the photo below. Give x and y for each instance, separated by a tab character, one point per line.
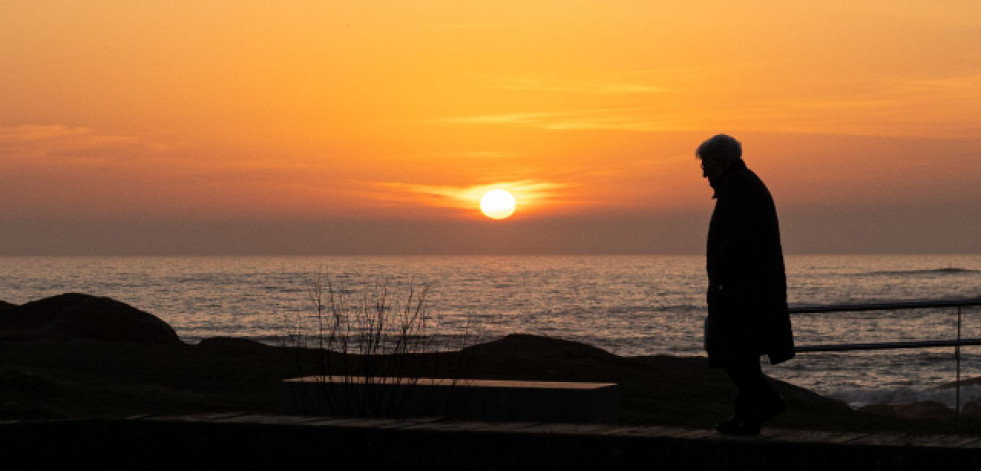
497	204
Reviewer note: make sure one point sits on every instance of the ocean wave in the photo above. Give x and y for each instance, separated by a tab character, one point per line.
929	271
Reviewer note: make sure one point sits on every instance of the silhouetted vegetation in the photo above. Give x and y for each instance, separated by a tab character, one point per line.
365	336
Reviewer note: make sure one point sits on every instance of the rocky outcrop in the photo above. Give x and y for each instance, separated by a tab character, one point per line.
923	410
82	316
231	343
540	347
5	306
916	410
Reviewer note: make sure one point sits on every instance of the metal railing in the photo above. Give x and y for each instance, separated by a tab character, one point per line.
957	343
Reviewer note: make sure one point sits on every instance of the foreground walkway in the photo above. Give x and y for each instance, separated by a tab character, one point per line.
230	440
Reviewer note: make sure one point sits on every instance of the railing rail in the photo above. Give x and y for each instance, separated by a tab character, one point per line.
896	306
886	306
849	347
893	306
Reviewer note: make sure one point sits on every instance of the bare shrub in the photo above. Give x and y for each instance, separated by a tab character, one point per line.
357	339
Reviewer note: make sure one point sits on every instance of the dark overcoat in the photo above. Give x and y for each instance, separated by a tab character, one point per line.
747	292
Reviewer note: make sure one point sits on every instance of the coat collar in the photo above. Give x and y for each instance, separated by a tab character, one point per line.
718	183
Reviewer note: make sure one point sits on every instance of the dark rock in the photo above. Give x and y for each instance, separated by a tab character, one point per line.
35	314
230	343
887	410
972	409
82	316
538	346
916	410
5	306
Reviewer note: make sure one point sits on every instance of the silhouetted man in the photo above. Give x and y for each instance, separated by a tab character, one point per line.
747	290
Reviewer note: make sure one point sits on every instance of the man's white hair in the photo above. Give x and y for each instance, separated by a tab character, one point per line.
720	148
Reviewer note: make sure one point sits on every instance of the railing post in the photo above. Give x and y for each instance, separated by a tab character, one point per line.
957	358
957	344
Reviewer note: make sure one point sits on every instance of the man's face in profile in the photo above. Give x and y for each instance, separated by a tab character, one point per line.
711	168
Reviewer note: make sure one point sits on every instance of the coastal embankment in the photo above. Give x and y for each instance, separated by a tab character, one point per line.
80	356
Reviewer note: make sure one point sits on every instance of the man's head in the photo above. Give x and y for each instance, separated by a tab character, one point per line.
717	153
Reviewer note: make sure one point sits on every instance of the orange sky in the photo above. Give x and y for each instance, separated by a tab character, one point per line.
311	126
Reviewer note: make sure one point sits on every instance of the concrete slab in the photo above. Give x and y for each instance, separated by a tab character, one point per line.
264	419
196	417
645	431
572	429
946	441
806	436
470	399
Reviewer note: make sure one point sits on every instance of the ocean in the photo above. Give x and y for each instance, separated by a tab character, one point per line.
628	305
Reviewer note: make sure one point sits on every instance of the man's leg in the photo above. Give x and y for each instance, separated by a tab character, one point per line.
751	386
755	401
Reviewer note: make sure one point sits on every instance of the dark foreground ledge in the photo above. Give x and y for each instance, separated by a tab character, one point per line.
459	399
223	441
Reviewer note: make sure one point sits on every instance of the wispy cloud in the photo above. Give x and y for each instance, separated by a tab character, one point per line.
474	26
614	123
624	119
504	118
67	142
962	87
79	134
487	154
528	193
943	106
586	87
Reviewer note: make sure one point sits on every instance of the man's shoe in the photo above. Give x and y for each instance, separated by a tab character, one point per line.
750	424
